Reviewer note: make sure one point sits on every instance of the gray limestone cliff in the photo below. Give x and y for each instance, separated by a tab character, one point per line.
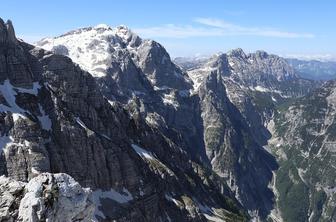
55	117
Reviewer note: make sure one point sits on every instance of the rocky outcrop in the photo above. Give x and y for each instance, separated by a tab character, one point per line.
7	32
11	193
47	197
314	69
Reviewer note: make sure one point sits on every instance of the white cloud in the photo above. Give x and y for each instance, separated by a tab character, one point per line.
214	27
253	31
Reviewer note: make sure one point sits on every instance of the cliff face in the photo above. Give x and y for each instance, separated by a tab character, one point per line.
232	149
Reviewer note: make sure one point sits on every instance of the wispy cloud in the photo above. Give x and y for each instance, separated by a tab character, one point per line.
178	31
215	27
256	31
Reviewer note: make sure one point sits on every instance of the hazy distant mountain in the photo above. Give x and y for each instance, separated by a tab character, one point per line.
313	69
309	69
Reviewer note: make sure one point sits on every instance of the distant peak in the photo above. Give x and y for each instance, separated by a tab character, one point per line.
217	57
11	31
237	53
124	30
123	27
261	53
127	34
220	54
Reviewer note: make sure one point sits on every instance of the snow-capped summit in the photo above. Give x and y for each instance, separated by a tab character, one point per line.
119	54
102	26
126	33
237	53
92	48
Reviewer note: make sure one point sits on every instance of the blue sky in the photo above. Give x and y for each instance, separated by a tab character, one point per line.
186	28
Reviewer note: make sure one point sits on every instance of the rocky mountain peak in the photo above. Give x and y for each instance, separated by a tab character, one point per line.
239	53
128	35
103	27
261	54
253	65
121	54
220	63
218	57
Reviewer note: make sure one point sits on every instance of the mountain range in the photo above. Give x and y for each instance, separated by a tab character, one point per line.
100	124
313	69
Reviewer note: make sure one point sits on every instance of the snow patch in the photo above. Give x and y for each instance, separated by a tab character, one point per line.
169	99
35	171
44	119
105	136
112	103
92	48
142	152
8	92
171	199
212	218
261	89
16	116
161	88
121	197
198	75
160	168
208	211
82	124
33	91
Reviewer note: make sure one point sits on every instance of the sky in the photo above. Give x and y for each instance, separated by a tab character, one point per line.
301	28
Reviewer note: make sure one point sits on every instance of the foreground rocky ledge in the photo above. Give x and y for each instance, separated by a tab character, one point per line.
47	197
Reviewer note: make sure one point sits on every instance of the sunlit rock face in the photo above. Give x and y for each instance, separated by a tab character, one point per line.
56	118
216	110
51	197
